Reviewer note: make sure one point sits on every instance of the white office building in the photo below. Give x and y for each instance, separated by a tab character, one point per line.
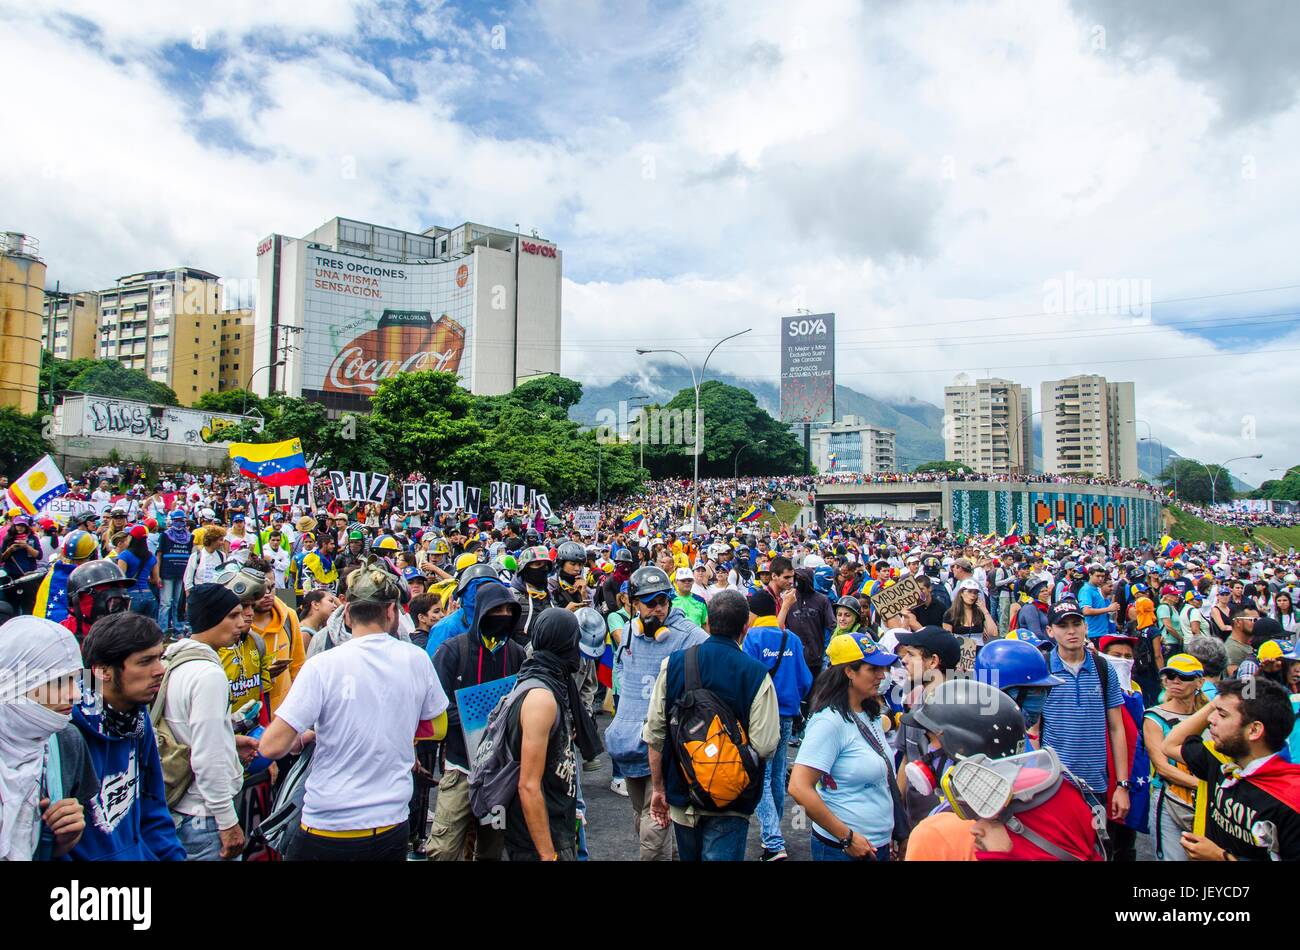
853	445
1089	427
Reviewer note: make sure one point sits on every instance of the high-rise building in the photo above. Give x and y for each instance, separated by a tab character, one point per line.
986	426
236	350
1089	427
856	446
22	303
70	330
350	304
165	323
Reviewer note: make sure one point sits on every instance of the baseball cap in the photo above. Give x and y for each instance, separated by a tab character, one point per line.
1276	650
176	516
1267	627
138	531
237	518
935	640
1063	609
847	648
968	584
1184	666
1110	638
684	574
1169	590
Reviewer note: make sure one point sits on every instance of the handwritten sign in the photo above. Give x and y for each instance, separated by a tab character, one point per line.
893	600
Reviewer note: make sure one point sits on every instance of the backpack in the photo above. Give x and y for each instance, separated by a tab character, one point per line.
494	770
172	753
722	770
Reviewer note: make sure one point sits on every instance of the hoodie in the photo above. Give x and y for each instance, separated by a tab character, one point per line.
793	678
127	820
463	661
283	641
456	622
197	710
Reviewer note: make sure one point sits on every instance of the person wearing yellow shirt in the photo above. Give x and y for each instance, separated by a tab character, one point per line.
277	625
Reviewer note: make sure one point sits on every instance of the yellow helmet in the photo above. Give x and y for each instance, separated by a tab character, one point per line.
465	560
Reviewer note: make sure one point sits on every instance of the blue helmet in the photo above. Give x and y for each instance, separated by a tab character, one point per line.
1009	663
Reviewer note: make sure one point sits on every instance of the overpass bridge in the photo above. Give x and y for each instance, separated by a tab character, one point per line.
975	507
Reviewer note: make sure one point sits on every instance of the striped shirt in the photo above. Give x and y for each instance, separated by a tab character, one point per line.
1074	720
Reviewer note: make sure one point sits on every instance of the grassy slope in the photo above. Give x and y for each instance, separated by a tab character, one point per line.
1187	527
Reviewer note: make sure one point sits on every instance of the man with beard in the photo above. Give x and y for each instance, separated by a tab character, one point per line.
607	593
1254	810
545	722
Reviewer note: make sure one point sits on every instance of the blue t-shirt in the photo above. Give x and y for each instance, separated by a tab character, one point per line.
861	797
135	570
1091	596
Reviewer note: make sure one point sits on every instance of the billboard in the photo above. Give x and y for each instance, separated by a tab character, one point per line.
808	368
368	319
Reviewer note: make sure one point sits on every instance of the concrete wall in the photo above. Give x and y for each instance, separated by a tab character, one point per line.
22	308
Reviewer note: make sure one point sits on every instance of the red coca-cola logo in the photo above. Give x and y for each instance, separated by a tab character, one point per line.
354	369
544	250
462	275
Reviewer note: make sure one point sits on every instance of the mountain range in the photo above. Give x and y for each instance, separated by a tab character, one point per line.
918	425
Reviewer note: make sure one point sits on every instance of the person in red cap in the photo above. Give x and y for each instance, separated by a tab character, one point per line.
140	566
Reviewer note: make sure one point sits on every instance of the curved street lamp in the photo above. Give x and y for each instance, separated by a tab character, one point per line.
735	467
699	429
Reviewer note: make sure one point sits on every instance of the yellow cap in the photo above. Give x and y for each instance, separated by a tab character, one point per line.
1184	664
1274	650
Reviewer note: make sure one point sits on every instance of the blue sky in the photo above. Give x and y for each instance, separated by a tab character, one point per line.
929	172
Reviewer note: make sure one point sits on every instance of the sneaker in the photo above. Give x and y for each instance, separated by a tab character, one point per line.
774	855
619	787
592	766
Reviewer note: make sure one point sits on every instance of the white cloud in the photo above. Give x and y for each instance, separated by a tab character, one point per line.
906	166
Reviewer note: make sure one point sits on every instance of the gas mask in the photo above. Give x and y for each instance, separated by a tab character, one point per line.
535	575
494	630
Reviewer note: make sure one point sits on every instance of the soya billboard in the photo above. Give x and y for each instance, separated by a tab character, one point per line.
367	320
808	368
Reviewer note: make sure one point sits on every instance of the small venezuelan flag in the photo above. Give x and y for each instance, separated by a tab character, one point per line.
272	463
633	521
751	514
605	669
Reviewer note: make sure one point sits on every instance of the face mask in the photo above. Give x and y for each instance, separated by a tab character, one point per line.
1031	705
495	628
650	624
534	575
1124	670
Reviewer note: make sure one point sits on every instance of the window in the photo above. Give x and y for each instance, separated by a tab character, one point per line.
196	372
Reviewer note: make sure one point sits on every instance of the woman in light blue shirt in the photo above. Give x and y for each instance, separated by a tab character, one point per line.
844	773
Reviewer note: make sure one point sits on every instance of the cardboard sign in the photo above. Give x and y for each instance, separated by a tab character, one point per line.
357	486
458	492
585	520
544	506
521	496
893	600
446	498
294	495
376	487
415	496
473	499
339	486
494	495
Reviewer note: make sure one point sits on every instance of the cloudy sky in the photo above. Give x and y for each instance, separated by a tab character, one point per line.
1030	189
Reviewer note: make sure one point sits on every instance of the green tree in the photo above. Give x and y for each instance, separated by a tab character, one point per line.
733	420
425	422
21	441
553	392
1194	481
57	375
940	466
111	378
232	401
1286	488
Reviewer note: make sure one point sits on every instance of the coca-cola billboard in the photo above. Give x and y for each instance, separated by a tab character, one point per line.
367	320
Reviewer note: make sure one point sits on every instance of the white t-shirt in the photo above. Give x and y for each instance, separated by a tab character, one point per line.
365	698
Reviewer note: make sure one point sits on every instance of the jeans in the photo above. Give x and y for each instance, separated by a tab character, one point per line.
714	838
582	824
824	852
169	608
389	846
772	804
1123	842
144	603
199	837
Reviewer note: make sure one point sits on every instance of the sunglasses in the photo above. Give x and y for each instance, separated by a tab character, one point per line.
1186	678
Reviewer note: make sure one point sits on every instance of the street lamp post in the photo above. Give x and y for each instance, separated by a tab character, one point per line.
1214	477
1163	464
1019	421
735	467
699	429
643	400
250	382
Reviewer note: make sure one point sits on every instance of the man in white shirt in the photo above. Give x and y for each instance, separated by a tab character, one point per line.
363	703
196	704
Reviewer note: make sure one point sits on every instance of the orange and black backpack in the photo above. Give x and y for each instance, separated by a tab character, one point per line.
721	769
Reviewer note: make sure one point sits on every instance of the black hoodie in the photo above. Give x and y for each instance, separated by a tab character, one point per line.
463	661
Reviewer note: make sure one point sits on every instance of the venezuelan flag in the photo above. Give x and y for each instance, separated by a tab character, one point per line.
605	669
869	587
751	514
633	521
38	486
1169	547
272	463
1012	537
